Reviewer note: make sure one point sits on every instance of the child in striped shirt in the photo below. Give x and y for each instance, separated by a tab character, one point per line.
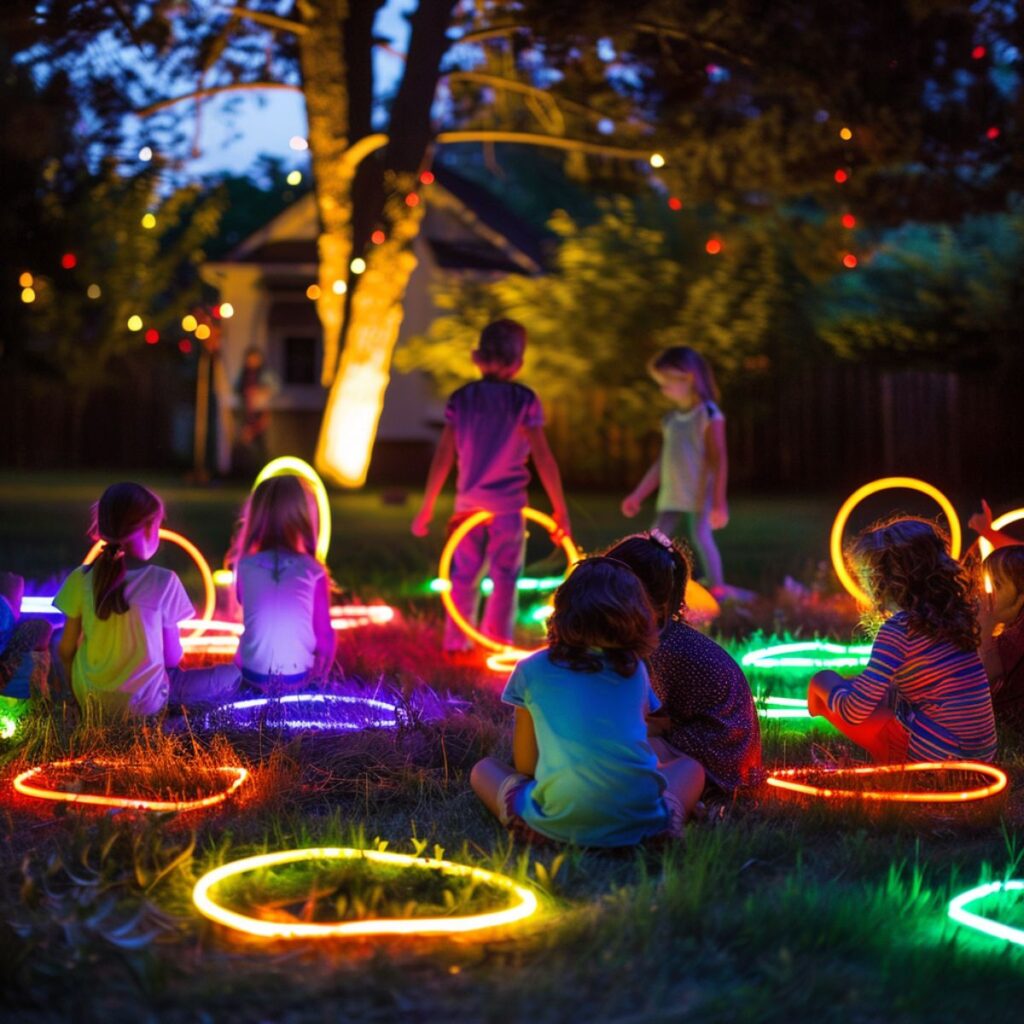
924	695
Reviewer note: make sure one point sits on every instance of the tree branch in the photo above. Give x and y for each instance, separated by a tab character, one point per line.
270	20
212	90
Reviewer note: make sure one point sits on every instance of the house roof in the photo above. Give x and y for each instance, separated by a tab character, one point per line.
491	239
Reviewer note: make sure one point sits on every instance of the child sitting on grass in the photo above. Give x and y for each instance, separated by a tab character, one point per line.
923	695
1002	650
584	771
120	646
707	708
24	646
283	589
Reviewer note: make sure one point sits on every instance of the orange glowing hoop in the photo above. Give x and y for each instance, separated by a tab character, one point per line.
787	780
885	484
525	906
22	785
572	555
210	592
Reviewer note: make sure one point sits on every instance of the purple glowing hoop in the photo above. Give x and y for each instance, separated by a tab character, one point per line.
309	712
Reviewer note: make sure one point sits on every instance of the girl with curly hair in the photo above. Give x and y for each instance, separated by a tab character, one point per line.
924	695
584	771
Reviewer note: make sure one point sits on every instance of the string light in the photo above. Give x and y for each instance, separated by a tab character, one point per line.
298	143
294	178
94	291
657	160
339	287
227	311
145	154
845	134
152	336
69	261
135	323
28	295
184	346
412	199
840	176
525	905
378	237
313	292
203	332
849	261
26	280
675	203
427	178
189	322
848	221
713	246
358	265
992	133
978	53
148	221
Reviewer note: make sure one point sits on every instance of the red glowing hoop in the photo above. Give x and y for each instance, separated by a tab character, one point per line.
22	785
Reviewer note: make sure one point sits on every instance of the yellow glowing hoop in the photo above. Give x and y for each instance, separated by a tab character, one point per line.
572	554
699	600
984	544
291	465
526	905
210	592
884	484
23	785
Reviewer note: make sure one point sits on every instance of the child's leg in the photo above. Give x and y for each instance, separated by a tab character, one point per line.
467	563
211	685
703	538
881	734
492	780
506	545
685	778
667	522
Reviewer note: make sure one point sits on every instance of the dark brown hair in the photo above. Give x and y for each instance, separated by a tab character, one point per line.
905	562
683	359
603	605
280	513
663	568
502	344
1006	564
123	509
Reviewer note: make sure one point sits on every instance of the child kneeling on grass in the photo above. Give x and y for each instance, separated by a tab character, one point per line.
923	695
584	771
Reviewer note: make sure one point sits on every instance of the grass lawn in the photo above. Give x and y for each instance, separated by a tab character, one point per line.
769	911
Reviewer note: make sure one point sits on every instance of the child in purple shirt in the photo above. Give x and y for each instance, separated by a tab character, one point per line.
494	426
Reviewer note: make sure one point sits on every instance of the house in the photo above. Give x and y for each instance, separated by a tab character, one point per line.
465	230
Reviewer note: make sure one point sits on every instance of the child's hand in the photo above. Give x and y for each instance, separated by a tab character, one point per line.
564	527
421	523
719	516
630	505
981	521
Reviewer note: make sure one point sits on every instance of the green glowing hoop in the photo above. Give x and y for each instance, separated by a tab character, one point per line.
958	910
808	654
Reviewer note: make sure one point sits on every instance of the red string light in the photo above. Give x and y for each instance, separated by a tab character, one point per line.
849	261
427	178
848	221
412	199
184	346
675	203
69	261
152	336
992	133
840	176
713	246
978	53
378	237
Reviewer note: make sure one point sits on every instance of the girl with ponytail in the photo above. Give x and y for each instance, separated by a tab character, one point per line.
120	645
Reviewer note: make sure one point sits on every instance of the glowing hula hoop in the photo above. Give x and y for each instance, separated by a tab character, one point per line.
783	707
785	780
290	465
11	711
525	905
322	701
958	910
808	654
210	592
572	554
885	484
22	785
984	544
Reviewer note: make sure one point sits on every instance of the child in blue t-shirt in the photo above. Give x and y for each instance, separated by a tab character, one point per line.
493	427
584	769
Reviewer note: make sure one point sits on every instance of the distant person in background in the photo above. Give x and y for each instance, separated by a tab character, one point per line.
24	646
255	387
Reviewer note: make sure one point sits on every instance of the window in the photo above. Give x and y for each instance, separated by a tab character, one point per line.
300	360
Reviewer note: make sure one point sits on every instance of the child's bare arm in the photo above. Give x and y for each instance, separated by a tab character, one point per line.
717	471
648	484
524	743
172	646
440	466
69	644
550	478
323	655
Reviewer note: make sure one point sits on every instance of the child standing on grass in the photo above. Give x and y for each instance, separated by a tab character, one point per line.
283	589
1002	633
584	771
494	425
923	695
691	472
120	645
707	709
